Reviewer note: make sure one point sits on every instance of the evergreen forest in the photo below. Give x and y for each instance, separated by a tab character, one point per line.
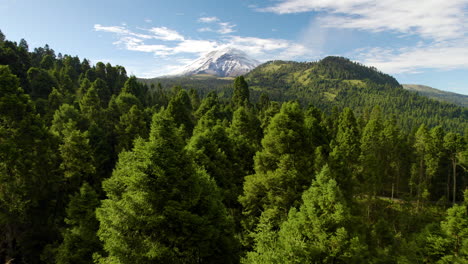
321	162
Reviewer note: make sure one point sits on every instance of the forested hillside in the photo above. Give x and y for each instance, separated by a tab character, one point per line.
339	82
96	167
444	96
331	85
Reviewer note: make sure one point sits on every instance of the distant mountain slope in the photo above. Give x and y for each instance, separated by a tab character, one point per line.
449	97
334	82
228	62
203	83
339	82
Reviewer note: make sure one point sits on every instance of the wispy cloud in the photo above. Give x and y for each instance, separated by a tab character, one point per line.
205	29
112	29
222	27
163	33
443	56
120	30
440	25
436	19
226	28
170	43
208	19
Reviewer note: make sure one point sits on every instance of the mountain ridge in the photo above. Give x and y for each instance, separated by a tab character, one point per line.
439	95
227	62
333	83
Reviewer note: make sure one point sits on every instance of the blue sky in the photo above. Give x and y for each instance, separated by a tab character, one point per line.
417	41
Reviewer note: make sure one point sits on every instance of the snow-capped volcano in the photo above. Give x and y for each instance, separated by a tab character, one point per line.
228	62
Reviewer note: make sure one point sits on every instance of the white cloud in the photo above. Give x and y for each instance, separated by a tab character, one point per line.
156	42
255	45
195	46
205	29
258	47
223	27
112	29
164	33
443	56
440	25
226	28
435	19
120	31
208	19
148	20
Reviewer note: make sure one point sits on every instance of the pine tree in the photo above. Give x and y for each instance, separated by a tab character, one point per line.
125	101
41	83
283	169
450	243
210	101
436	160
194	99
241	96
27	175
85	84
394	146
77	157
160	208
373	154
246	135
319	232
64	115
90	106
180	109
454	145
55	99
345	153
130	126
139	90
80	241
214	151
102	91
419	176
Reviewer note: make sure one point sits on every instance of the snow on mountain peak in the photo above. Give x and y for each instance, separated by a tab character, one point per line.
227	62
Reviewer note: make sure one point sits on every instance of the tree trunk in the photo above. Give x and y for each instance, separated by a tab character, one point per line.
448	187
393	187
454	163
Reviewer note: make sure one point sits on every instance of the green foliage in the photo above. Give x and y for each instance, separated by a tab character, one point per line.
282	169
180	109
223	163
339	82
102	90
448	243
132	86
373	153
346	150
246	135
241	92
27	174
125	101
80	241
41	83
318	233
215	152
160	208
62	116
77	159
130	126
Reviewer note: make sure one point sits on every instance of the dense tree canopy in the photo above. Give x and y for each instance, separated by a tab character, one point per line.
320	162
